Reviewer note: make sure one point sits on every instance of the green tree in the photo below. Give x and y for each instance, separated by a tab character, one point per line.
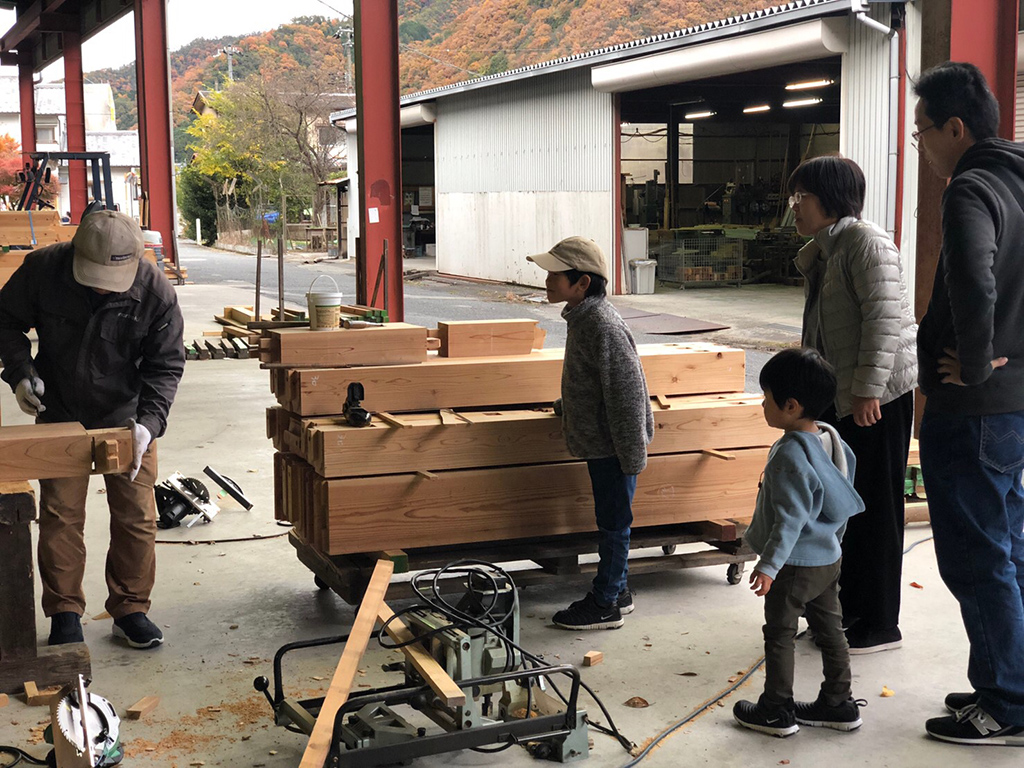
197	201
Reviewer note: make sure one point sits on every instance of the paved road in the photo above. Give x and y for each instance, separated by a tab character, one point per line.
426	300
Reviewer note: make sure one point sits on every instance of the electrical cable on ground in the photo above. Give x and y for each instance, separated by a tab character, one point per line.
21	757
922	541
696	713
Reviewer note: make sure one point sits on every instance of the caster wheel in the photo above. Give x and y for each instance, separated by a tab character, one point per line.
669	549
320	583
734	574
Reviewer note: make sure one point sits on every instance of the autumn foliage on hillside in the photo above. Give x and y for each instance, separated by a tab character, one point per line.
443	41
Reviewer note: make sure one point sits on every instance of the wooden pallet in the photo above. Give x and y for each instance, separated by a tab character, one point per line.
556	558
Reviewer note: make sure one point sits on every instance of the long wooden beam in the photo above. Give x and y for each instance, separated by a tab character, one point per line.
486	338
670	369
344	676
391	344
424	441
45	451
439	681
463	506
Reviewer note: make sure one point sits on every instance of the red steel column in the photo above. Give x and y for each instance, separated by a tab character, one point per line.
74	104
27	106
984	32
380	155
154	102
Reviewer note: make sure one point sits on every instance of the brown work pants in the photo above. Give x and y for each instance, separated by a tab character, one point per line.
131	556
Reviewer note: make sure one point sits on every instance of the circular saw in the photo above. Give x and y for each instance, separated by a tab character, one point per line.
84	729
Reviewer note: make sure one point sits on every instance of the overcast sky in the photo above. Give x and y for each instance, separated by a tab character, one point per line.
189	19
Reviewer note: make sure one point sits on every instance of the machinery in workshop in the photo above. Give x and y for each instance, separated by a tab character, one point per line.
510	696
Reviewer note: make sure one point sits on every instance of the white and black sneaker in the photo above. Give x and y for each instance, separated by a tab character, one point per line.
841	717
625	601
764	717
138	631
973	725
587	614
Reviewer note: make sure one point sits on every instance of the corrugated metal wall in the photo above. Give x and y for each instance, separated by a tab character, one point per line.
865	113
518	167
1018	123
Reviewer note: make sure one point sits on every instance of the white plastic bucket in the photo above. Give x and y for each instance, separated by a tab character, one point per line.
324	308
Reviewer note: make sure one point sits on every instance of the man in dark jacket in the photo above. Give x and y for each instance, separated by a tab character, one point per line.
971	358
110	354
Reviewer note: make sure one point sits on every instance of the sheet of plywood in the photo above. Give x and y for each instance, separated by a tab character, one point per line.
463	506
44	451
671	369
506	437
486	338
391	344
344	676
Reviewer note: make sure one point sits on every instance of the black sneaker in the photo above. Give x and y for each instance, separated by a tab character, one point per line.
587	614
863	641
138	630
973	725
625	601
956	701
65	627
842	717
765	717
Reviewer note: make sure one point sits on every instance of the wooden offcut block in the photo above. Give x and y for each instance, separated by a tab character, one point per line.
432	441
592	658
46	451
486	338
143	707
3	700
390	344
39	698
368	514
670	369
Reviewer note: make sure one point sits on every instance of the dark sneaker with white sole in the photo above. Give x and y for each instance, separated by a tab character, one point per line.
864	641
973	725
587	614
65	627
764	717
956	701
138	631
625	601
818	714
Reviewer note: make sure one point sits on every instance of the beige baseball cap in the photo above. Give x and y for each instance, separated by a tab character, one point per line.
108	246
578	253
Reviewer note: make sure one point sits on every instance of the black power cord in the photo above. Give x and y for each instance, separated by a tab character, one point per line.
489	576
20	757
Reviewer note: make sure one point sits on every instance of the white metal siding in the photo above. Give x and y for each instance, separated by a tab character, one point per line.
519	167
1018	123
865	113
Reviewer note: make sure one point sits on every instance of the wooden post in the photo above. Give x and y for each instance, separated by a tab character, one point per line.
259	275
280	277
20	660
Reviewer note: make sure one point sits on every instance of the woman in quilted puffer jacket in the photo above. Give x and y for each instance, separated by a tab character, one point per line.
857	314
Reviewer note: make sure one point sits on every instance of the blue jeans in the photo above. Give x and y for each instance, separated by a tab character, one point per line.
972	469
613	506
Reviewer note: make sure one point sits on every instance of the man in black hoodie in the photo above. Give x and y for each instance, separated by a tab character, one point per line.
971	358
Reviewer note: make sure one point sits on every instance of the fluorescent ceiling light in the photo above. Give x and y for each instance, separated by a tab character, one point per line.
762	108
801	103
809	84
698	115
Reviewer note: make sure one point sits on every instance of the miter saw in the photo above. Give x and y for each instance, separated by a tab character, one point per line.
84	729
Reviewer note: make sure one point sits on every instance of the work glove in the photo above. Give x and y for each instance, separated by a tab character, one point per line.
141	438
28	392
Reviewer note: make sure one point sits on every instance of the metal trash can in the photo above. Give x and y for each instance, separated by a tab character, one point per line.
641	276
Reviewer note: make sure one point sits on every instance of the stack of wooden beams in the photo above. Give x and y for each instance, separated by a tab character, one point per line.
467	449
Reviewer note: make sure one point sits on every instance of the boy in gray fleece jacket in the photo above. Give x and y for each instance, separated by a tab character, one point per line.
606	418
804	502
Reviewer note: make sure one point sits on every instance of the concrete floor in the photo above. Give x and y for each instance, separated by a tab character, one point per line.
227	605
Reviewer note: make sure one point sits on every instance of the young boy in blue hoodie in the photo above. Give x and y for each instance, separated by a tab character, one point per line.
805	499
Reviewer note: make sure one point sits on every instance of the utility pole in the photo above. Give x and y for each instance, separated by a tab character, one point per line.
229	51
